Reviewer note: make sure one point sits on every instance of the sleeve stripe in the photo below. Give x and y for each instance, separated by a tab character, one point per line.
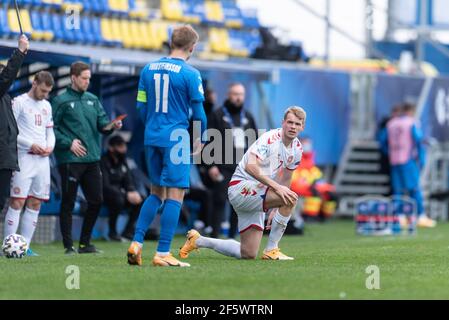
142	96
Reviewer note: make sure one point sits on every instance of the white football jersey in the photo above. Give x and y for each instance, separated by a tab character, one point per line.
274	155
33	118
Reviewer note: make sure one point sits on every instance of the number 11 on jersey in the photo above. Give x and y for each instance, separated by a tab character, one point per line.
157	84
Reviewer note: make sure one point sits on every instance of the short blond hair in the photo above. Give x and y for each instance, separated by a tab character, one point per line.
183	37
297	112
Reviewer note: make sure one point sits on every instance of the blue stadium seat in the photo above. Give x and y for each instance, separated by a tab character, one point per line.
59	29
96	30
87	30
250	18
5	31
232	14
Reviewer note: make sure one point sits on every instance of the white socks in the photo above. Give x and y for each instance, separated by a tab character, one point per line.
12	219
29	223
278	226
229	247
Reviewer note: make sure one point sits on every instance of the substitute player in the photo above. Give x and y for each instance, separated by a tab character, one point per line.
261	182
168	89
36	140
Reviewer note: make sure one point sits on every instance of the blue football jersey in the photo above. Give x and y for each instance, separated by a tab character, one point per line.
167	89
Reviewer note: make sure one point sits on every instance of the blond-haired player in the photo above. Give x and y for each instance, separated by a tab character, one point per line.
36	140
261	182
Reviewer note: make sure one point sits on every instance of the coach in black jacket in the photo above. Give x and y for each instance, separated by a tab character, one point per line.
8	125
235	120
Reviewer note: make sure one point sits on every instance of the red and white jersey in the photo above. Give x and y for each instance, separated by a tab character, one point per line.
33	118
275	156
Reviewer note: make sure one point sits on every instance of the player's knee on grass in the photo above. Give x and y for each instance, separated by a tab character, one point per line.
247	253
17	204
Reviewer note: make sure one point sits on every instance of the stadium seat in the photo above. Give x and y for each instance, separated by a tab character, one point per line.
214	12
190	11
119	6
232	14
138	9
41	31
5	31
237	43
95	23
250	19
219	40
111	32
88	31
75	5
171	10
144	32
129	39
13	22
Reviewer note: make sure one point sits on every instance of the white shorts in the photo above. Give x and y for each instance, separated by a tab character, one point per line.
33	179
247	198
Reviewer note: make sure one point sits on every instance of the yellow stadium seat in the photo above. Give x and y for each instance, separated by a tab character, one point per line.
119	5
144	34
73	6
214	11
139	41
117	30
219	40
13	22
125	34
171	9
109	32
160	33
58	2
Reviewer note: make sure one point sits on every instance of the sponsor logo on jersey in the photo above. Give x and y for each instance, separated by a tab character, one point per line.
72	105
16	190
91	103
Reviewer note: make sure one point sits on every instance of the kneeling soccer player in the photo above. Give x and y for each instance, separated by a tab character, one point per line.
260	183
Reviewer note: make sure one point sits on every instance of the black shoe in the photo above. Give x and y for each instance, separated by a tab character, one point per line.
128	235
115	237
70	251
88	249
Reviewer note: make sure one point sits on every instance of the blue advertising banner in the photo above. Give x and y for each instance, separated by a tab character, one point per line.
391	90
435	115
325	96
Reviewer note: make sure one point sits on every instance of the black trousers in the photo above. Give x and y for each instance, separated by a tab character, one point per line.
88	176
5	186
116	205
220	198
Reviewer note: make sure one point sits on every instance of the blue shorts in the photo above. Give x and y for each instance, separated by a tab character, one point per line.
405	177
163	172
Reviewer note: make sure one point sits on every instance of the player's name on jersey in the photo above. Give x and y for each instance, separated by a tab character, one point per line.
165	66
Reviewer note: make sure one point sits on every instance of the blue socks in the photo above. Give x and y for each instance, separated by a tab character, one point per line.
169	223
146	216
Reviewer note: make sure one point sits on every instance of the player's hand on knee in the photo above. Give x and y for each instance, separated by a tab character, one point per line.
288	196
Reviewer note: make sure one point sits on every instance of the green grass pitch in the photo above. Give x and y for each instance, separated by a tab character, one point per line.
330	263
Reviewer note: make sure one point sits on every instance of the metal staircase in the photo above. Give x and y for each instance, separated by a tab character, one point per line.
358	174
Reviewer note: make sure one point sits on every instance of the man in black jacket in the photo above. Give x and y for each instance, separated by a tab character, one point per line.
119	192
8	125
232	121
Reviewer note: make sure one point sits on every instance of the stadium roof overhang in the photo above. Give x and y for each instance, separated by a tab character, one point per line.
123	61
